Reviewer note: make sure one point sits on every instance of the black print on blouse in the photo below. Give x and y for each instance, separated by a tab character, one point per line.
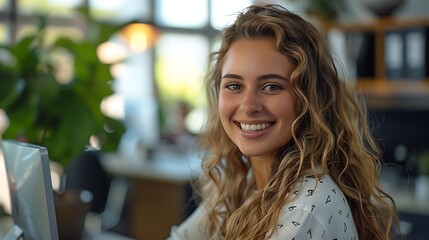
311	193
309	233
328	199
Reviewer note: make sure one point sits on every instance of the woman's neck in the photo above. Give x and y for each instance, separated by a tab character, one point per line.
261	167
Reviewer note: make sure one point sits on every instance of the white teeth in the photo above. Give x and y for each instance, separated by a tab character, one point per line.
254	127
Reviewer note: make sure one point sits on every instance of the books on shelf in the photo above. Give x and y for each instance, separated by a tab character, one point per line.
406	53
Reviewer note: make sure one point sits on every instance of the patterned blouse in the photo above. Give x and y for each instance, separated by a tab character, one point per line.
321	213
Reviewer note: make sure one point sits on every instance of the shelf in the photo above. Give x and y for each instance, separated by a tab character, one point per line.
380	24
397	94
387	87
379	91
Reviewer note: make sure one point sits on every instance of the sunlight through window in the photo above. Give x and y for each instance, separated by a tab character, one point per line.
182	14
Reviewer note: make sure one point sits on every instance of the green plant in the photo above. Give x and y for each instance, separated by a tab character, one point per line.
43	111
325	9
423	163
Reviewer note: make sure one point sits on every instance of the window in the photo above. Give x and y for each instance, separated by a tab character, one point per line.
50	7
52	32
4	37
180	65
223	11
3	4
182	14
121	11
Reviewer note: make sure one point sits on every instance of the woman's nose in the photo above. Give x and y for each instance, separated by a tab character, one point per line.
251	102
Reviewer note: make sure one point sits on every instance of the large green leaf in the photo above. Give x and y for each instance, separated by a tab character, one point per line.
60	117
9	88
72	131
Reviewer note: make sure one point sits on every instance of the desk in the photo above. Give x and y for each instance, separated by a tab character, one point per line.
413	214
402	191
166	165
159	189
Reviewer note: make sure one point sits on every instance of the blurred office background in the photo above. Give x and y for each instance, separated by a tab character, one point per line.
158	59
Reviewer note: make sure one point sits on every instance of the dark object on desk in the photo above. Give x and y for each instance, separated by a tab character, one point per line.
110	195
71	207
86	172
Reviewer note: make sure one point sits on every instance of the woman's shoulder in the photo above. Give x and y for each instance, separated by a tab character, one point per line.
318	207
320	189
317	194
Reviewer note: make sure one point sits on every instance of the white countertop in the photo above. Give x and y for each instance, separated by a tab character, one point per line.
403	193
166	164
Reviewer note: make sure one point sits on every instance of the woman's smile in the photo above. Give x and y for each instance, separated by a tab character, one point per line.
254	127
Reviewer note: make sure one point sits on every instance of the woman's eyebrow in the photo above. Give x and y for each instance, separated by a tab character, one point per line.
233	76
271	76
259	78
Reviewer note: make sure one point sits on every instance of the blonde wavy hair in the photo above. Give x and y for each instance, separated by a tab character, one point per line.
330	131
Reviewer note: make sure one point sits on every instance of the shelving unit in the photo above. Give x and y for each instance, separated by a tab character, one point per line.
380	91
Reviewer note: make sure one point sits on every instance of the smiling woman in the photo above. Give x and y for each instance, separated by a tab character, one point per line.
255	100
287	150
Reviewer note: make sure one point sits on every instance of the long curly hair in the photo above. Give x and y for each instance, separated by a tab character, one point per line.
330	132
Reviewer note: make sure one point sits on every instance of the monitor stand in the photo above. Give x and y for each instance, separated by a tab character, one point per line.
14	234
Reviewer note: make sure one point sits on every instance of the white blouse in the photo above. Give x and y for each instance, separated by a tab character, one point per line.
321	213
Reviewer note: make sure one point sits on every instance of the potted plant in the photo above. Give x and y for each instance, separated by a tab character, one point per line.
326	10
59	116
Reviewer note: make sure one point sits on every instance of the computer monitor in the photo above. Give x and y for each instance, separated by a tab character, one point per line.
32	199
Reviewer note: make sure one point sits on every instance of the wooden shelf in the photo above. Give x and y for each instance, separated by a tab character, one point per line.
395	94
379	91
386	87
380	24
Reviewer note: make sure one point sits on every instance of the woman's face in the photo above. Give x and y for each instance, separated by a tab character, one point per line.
255	102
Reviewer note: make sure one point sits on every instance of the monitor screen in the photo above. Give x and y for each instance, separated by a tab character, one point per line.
32	200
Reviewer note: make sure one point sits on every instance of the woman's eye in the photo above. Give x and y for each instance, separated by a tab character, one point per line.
233	86
272	87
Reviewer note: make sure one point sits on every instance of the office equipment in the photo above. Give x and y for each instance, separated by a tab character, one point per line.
394	51
417	52
32	201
